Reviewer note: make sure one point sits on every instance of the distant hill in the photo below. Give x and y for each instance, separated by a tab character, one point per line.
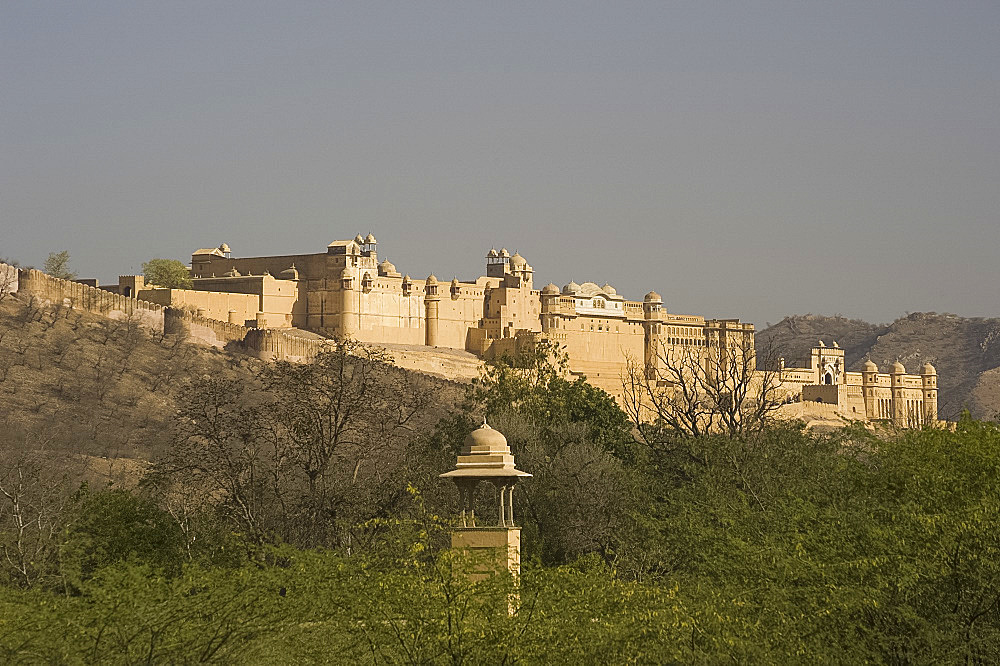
966	352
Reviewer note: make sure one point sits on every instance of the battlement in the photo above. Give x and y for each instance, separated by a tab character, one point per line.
51	290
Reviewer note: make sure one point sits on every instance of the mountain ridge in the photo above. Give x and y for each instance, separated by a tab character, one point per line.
965	351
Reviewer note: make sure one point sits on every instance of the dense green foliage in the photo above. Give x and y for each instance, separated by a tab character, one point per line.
307	536
167	273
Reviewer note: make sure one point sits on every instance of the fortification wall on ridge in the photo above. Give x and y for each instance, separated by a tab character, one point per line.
51	290
264	343
276	345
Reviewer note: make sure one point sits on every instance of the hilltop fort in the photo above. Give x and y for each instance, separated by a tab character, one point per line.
266	303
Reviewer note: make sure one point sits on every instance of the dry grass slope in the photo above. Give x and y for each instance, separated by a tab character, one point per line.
98	393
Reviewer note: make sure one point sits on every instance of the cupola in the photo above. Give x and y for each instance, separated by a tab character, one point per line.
486	456
571	288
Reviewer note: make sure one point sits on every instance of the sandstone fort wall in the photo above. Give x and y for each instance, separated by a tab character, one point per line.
265	344
51	290
232	307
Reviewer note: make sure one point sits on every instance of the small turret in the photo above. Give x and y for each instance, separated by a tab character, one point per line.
432	303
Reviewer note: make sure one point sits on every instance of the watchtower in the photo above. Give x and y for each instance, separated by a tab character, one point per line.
652	313
485	456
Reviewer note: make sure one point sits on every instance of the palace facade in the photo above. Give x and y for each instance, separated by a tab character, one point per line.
348	291
906	400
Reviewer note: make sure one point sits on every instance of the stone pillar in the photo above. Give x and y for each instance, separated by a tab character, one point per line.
432	302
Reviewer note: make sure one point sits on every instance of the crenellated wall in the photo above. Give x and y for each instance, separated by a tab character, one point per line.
266	344
272	344
55	291
212	332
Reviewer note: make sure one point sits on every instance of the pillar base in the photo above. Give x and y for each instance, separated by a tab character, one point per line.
495	549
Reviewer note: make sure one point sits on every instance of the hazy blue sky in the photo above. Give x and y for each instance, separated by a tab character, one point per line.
743	159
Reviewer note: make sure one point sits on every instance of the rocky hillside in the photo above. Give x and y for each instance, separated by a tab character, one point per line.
102	390
965	351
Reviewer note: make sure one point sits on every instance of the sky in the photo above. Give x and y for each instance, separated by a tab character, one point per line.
751	159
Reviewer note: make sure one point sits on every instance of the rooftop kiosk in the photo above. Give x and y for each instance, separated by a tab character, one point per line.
485	456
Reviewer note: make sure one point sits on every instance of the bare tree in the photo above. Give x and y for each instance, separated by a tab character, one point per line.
34	504
219	450
8	280
698	390
303	452
338	418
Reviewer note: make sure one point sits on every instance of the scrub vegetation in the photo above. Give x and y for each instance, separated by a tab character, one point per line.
165	503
